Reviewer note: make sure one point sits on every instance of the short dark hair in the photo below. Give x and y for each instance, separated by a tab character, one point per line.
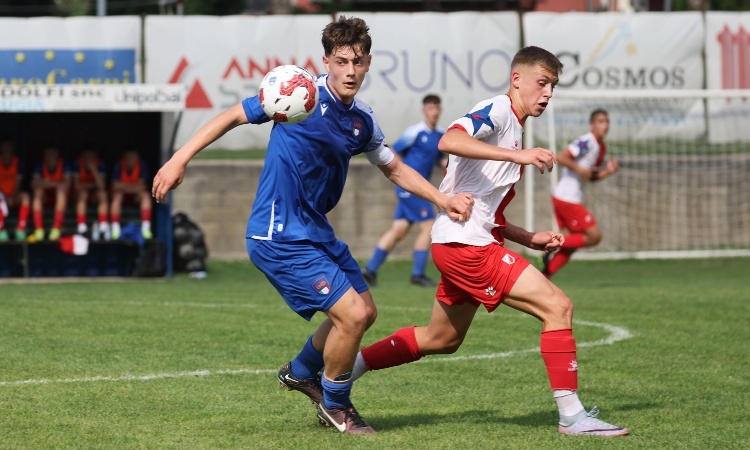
431	98
350	32
596	112
532	56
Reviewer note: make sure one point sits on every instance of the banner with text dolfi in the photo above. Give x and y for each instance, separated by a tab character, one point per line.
621	52
91	97
79	50
728	67
463	57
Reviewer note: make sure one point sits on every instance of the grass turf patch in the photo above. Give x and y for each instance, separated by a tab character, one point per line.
187	363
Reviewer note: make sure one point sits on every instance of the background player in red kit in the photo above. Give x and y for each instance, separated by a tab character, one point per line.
11	175
129	176
51	180
476	269
582	160
89	180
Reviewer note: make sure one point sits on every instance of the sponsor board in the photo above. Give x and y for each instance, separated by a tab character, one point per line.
222	60
74	97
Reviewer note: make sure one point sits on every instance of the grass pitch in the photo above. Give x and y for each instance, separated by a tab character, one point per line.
191	364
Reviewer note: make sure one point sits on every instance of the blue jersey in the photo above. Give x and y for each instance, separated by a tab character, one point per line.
305	168
418	147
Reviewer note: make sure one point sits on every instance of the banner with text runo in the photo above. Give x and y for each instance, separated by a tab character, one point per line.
463	57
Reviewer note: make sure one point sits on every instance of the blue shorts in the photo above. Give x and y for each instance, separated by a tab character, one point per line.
310	276
413	208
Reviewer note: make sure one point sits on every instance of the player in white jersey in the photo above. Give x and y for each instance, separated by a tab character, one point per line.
288	236
486	160
582	161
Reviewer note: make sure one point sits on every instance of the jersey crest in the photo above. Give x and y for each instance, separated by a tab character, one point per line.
321	285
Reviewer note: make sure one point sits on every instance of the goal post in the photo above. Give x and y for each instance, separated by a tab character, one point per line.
683	188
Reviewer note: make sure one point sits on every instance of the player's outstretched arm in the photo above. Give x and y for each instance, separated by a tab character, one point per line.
610	168
457	206
172	172
458	142
547	241
566	159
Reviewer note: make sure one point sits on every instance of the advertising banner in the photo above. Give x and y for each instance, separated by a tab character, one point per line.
221	61
624	52
463	57
728	67
80	50
80	97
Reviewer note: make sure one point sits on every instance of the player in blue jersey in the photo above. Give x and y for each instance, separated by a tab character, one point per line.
418	147
288	236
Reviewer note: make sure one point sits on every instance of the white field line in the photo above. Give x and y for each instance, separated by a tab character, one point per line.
616	334
155	376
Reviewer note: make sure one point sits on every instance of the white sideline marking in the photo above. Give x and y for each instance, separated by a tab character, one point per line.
155	376
616	334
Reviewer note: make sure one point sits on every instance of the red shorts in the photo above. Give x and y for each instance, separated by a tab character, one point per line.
476	275
572	216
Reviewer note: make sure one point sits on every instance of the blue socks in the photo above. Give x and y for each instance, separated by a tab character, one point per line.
308	363
419	262
336	393
377	260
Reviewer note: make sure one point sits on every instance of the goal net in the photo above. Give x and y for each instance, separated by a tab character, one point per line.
683	188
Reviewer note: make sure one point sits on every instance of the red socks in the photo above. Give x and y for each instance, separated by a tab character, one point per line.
57	219
399	348
559	260
146	215
559	354
23	216
80	218
38	220
574	241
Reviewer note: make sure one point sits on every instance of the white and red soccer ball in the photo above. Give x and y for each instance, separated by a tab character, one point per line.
288	94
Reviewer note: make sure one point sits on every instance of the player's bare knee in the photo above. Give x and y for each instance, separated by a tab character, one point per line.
593	236
355	322
448	345
444	344
372	314
561	307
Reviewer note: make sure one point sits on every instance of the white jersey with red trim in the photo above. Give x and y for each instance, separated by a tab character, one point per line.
587	152
492	121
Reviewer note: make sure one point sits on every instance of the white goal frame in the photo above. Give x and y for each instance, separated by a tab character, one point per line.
545	131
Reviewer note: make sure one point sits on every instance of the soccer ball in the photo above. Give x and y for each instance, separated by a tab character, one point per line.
288	94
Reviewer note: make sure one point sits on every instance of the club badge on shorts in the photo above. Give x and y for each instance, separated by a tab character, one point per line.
321	285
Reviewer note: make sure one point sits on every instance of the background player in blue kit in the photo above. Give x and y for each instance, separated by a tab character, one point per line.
418	147
288	236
